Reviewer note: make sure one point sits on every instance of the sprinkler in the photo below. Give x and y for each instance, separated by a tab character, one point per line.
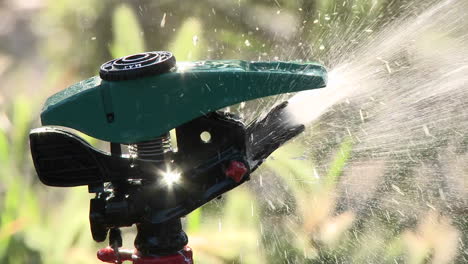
135	102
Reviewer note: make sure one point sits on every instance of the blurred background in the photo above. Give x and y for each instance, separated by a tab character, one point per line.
379	176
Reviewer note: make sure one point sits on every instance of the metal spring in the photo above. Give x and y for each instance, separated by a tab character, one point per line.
151	150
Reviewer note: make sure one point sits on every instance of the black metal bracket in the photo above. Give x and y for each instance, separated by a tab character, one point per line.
131	191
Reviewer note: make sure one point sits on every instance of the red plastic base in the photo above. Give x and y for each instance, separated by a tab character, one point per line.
108	255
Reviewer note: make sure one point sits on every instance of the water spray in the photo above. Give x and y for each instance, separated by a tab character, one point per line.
135	102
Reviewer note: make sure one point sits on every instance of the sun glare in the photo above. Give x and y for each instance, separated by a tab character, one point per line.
171	177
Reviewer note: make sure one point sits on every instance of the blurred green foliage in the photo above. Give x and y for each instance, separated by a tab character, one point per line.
291	212
127	39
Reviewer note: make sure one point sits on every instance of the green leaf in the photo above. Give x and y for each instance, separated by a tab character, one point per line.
73	221
3	149
8	218
127	33
22	115
338	163
194	220
187	44
297	173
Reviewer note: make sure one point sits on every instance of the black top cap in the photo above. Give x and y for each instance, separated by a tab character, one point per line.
138	65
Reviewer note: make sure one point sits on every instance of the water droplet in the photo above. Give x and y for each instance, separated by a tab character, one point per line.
368	30
327	17
278	12
430	206
397	189
195	40
272	206
316	175
315	21
247	43
322	47
163	20
426	131
93	38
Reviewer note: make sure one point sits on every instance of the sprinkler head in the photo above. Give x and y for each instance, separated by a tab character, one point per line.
136	101
137	66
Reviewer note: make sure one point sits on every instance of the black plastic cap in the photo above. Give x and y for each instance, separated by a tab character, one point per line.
138	65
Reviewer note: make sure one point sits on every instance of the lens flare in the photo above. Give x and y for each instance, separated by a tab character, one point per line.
171	177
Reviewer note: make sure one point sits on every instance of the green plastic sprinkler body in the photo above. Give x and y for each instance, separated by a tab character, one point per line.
127	109
136	101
